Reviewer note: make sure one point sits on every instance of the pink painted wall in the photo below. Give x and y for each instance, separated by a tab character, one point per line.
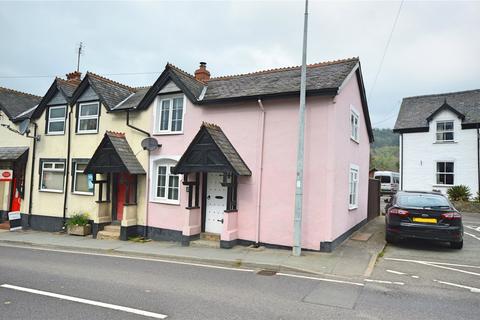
326	167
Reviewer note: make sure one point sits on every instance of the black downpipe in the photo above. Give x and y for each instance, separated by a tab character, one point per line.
32	173
67	168
401	163
135	128
478	158
145	232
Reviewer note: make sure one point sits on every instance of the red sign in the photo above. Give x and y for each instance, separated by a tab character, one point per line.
6	174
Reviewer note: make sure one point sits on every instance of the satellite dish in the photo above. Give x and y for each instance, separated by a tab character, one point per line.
150	144
23	127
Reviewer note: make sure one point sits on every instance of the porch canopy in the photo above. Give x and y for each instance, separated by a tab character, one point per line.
114	155
13	153
211	151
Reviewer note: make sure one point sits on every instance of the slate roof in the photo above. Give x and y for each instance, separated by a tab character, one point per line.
133	100
111	93
14	103
125	152
320	76
66	89
415	111
227	149
12	153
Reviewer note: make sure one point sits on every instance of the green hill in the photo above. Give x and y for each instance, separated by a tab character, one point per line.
384	150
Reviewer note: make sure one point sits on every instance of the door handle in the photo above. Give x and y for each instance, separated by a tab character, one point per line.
218	197
220	220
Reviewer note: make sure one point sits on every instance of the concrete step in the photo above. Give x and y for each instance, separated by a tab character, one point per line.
200	243
112	228
108	235
209	236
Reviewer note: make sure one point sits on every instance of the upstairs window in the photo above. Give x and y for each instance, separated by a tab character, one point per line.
445	131
88	117
169	115
52	175
354	124
56	120
167	188
353	187
445	173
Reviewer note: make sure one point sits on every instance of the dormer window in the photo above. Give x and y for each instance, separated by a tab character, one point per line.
169	115
56	120
88	117
445	131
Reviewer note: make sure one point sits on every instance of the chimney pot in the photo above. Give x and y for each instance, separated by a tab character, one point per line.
74	76
202	74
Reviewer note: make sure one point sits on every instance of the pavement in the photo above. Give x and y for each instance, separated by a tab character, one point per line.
352	259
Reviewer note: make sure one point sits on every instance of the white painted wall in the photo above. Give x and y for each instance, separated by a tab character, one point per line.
421	152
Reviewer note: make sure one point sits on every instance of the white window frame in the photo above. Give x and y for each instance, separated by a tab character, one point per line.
354	127
80	117
158	114
353	186
50	120
53	169
444	131
167	161
74	180
444	172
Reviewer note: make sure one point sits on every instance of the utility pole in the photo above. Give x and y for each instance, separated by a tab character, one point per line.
297	221
80	47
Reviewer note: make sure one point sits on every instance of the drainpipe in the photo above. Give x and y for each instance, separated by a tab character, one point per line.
147	178
67	167
260	170
401	161
32	173
478	158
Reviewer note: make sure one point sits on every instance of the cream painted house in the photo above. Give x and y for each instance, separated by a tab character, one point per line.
15	150
75	120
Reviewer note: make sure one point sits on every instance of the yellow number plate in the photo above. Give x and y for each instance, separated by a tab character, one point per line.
425	220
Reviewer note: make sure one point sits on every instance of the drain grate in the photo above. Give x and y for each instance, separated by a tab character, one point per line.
266	272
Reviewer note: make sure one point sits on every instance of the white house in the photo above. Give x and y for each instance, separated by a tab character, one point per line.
439	141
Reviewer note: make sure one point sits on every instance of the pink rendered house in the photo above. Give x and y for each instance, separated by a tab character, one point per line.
227	162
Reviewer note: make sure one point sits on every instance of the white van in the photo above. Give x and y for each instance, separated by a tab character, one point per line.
389	181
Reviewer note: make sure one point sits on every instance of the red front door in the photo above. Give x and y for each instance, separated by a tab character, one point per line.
16	200
125	190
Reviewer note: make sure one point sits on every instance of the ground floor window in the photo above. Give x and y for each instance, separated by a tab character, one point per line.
52	175
167	188
353	187
82	183
445	173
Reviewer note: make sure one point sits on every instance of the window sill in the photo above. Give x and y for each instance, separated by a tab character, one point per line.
82	193
354	140
175	203
86	132
55	134
51	191
443	185
351	208
169	133
445	142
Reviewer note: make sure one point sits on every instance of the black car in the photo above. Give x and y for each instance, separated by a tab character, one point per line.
423	215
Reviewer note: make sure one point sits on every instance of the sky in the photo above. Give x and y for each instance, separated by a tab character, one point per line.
434	47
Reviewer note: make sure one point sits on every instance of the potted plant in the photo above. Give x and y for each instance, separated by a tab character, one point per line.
78	225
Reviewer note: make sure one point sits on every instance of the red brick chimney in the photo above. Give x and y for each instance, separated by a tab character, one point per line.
202	73
74	77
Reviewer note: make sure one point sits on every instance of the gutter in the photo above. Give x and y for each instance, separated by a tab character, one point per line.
135	128
260	170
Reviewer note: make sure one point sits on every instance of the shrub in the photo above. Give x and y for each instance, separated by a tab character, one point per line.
477	198
78	219
459	193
